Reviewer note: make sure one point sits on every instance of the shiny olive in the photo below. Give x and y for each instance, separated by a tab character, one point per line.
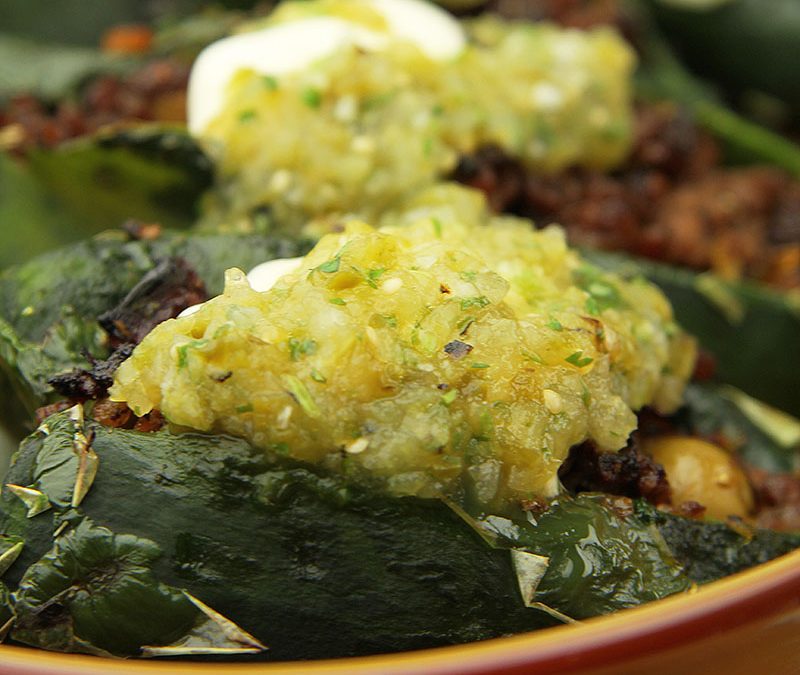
702	472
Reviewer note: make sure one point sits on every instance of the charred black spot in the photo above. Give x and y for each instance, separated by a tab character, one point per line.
491	170
166	290
94	382
457	349
161	294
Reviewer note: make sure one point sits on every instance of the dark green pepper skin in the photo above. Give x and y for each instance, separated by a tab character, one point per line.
49	307
309	563
741	44
711	550
707	413
312	567
150	172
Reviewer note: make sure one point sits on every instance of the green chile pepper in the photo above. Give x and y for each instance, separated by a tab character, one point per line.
303	561
741	44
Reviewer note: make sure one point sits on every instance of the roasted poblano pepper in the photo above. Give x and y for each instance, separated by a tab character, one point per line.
55	196
149	172
314	530
49	308
304	562
737	43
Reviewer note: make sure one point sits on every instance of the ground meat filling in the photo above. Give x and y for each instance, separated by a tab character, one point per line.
163	293
119	416
155	92
671	202
84	384
778	497
627	473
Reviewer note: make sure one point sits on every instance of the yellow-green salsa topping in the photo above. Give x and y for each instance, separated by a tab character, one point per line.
449	350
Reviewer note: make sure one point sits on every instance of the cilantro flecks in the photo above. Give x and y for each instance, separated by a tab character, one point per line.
449	396
300	348
479	301
578	359
312	97
555	324
603	293
330	266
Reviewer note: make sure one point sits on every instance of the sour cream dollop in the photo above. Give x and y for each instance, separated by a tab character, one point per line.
296	44
261	278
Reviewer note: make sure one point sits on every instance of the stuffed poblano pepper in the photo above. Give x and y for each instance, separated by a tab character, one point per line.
418	435
437	426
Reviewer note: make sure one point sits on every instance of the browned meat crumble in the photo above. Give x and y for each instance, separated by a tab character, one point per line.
155	92
672	201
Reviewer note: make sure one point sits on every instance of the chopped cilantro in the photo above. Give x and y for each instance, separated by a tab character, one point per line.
224	329
468	276
337	301
183	351
300	348
463	325
545	133
437	227
299	393
373	275
486	426
270	82
246	408
280	448
449	396
578	359
555	324
601	290
247	115
312	97
317	376
376	100
586	395
478	301
479	364
532	356
331	265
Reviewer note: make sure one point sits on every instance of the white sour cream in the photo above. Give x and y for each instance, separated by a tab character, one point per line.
293	46
261	278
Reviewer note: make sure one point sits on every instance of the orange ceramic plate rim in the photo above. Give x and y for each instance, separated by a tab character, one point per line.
756	594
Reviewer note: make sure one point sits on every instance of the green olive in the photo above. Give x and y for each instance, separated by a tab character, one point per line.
702	472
